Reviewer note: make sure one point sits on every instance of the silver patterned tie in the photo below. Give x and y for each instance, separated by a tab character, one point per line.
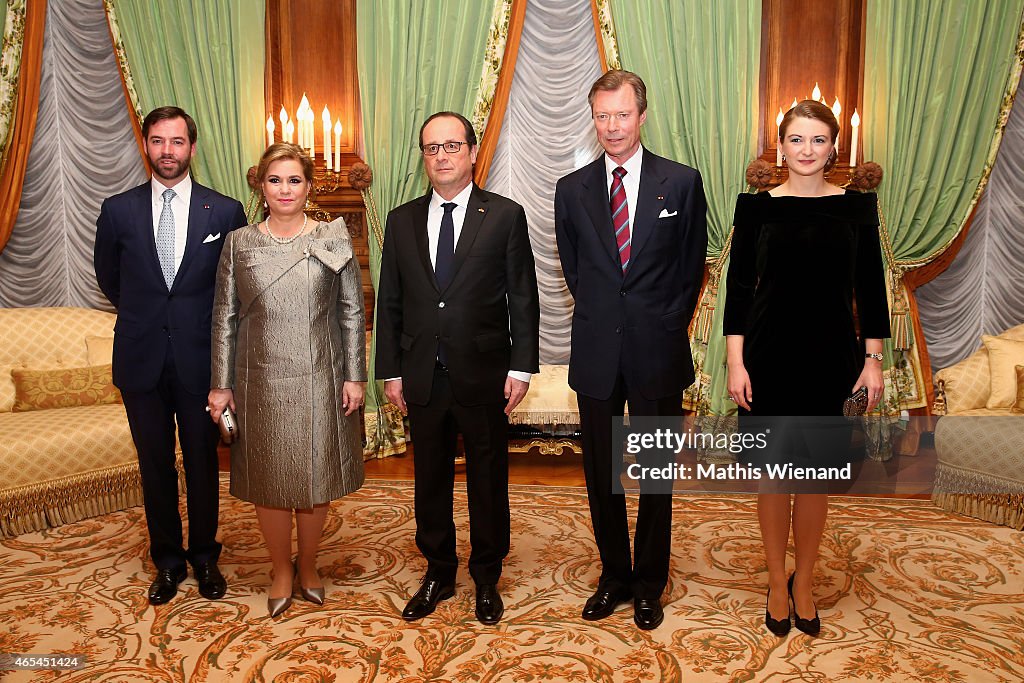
165	239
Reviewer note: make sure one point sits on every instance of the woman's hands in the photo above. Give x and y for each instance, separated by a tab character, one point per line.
217	400
871	377
352	394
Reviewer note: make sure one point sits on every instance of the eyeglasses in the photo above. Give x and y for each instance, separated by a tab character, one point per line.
449	147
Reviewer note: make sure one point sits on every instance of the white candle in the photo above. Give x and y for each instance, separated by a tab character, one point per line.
855	125
337	146
270	131
309	133
326	117
794	103
816	93
284	122
778	142
289	131
837	109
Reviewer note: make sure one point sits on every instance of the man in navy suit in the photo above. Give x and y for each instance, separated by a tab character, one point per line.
632	235
156	253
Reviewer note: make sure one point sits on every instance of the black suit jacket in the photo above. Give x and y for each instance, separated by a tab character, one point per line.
488	317
637	321
149	318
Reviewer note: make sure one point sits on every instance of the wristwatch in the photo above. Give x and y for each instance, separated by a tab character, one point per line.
876	356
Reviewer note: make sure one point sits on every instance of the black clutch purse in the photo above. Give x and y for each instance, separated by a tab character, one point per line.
856	404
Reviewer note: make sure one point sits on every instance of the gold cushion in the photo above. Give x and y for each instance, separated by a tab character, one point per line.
63	388
1018	405
1003	355
99	350
966	384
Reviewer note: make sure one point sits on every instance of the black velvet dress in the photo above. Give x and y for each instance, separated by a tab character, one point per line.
797	266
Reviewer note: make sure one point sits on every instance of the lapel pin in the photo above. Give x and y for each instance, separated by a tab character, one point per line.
206	206
480	210
660	198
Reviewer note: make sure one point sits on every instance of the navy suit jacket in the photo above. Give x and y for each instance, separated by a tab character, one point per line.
637	322
149	317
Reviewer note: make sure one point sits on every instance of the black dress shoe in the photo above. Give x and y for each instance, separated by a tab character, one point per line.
811	627
602	603
212	585
165	586
647	613
489	607
425	601
779	627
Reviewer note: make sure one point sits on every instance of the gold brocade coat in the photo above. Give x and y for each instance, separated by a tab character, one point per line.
288	331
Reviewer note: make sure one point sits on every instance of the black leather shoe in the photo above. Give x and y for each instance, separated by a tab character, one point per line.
425	601
489	607
165	586
647	613
602	603
212	585
779	627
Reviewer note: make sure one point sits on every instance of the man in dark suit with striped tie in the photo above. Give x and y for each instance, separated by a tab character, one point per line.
632	236
156	253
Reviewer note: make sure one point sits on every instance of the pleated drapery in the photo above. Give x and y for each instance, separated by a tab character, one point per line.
207	57
82	125
980	292
545	138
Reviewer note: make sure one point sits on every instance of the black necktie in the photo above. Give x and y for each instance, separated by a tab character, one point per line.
445	248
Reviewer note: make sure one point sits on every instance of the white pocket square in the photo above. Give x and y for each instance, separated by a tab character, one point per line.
665	214
211	238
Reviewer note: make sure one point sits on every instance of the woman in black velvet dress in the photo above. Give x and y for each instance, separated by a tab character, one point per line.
801	255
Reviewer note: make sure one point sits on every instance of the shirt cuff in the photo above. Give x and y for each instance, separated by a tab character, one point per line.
392	379
521	376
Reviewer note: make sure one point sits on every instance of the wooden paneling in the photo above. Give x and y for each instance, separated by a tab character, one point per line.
311	50
808	41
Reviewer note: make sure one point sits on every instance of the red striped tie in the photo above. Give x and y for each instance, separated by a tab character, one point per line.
620	216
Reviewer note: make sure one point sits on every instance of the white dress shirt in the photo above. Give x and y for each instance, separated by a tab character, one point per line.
179	207
631	181
434	213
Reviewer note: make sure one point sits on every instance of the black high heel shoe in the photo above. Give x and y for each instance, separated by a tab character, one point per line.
811	627
779	627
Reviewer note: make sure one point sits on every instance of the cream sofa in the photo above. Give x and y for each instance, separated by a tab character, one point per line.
979	442
63	464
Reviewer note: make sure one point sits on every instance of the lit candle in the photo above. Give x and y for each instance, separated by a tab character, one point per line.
837	109
816	93
326	117
270	131
309	133
284	122
794	103
855	125
778	144
289	131
337	146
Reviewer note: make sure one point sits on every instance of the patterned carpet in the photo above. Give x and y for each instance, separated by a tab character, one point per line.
906	592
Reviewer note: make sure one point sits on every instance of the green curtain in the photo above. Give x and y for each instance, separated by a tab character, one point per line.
701	62
936	75
207	57
415	58
10	64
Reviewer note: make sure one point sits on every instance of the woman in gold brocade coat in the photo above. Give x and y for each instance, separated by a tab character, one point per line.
289	358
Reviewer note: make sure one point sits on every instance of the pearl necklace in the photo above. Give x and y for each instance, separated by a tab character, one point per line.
287	240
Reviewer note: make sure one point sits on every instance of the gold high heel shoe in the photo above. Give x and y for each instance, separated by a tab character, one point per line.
276	606
313	595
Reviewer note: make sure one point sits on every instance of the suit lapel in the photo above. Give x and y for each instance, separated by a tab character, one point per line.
650	201
596	202
422	242
199	212
476	211
142	207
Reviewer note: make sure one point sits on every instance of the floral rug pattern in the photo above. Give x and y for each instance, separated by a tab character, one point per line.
906	592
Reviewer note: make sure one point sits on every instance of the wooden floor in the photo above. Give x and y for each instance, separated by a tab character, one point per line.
567	469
